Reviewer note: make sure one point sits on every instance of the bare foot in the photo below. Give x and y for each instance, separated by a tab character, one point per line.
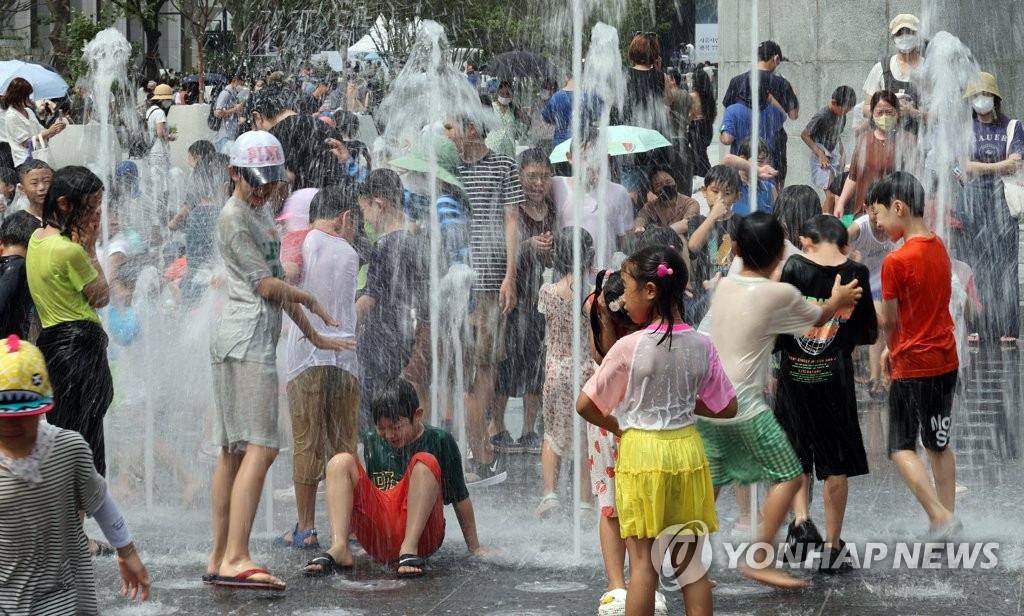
773	577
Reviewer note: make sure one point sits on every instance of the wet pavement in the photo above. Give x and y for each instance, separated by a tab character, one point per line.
538	571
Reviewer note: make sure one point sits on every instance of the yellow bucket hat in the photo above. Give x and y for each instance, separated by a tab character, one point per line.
986	82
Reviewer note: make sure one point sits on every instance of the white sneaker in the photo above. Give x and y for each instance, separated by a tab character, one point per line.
613	603
660	605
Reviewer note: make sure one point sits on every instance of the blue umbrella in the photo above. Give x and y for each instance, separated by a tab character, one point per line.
371	56
45	82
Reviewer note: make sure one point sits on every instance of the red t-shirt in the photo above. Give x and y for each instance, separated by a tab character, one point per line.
918	276
291	248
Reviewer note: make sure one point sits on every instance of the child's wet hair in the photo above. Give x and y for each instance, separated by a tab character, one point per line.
743	149
725	177
828	229
759	238
609	286
901	186
562	250
394	400
17	229
796	205
8	176
330	201
844	96
32	165
664	267
75	184
658	235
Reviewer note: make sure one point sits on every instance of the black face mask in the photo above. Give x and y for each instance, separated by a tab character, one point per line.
668	193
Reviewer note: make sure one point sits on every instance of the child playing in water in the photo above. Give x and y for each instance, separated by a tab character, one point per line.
709	238
16	308
816	401
647	390
46	479
916	288
35	177
748	311
556	304
395	504
870	244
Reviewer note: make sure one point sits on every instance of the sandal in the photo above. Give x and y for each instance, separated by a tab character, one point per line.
414	561
327	564
549	504
298	540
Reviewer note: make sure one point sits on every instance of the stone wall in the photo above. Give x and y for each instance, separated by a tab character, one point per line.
831	43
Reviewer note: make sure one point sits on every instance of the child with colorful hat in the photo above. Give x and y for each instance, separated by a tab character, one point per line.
47	479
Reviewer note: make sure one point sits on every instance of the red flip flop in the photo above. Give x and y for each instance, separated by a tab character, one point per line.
242	581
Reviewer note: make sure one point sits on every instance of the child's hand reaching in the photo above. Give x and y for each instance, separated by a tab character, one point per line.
846	294
134	577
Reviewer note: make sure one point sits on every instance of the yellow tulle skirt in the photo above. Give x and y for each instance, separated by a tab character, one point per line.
661	479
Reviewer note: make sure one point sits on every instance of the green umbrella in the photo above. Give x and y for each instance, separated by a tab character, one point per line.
622	140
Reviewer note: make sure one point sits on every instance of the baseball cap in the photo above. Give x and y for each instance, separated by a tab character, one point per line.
259	158
24	385
904	20
446	157
768	50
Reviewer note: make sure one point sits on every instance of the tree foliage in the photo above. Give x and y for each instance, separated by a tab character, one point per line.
198	14
80	31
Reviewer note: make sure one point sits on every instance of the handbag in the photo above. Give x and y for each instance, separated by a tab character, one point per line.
39	150
1013	185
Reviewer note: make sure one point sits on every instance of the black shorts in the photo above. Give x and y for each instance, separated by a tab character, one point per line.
821	423
522	371
921	406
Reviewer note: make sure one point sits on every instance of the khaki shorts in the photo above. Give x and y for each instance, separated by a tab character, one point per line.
324	405
488	326
245	394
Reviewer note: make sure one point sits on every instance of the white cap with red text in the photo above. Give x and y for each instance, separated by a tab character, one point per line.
259	158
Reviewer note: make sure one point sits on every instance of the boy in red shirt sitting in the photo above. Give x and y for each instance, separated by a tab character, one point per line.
395	505
916	287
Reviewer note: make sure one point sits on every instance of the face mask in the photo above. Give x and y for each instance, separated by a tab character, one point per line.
504	100
886	123
166	105
906	42
544	96
668	193
983	104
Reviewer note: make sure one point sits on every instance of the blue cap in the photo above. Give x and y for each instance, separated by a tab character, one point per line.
126	167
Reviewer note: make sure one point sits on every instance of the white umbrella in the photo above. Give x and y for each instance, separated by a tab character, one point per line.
45	83
622	140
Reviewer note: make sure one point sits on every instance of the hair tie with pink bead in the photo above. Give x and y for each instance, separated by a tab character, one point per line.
664	270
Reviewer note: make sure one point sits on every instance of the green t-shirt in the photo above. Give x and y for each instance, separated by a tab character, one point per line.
57	270
386	465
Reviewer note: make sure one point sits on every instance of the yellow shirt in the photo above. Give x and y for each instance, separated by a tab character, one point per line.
58	269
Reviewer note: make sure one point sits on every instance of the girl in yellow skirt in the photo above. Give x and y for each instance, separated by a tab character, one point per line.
648	390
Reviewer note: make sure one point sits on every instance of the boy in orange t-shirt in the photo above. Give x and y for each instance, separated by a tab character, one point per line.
916	287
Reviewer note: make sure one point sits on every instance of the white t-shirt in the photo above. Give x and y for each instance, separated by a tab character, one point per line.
20	130
872	252
154	116
605	226
874	81
330	268
747	314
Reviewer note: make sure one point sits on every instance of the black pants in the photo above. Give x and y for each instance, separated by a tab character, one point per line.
83	388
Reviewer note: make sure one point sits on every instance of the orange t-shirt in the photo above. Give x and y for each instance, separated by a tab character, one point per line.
918	276
874	158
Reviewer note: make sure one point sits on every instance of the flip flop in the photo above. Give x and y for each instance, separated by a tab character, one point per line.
208	578
412	560
242	581
327	564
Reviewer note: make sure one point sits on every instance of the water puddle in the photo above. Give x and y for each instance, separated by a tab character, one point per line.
367	585
177	584
328	611
150	608
524	613
553	586
742	590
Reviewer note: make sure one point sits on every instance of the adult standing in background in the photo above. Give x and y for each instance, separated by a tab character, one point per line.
895	73
159	156
228	109
21	122
769	57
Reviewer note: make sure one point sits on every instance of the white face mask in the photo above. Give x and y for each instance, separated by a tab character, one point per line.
504	100
983	104
545	95
906	42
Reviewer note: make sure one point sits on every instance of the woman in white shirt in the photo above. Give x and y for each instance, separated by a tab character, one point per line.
21	122
159	157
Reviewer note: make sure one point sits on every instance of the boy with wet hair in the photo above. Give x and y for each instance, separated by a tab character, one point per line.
8	189
395	504
748	311
916	289
16	307
824	137
34	182
709	238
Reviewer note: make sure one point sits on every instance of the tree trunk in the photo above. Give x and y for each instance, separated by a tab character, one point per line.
60	12
202	67
151	66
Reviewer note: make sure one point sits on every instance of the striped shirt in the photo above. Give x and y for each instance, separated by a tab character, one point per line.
45	567
492	184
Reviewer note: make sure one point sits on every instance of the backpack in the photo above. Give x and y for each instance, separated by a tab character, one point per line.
138	143
896	86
